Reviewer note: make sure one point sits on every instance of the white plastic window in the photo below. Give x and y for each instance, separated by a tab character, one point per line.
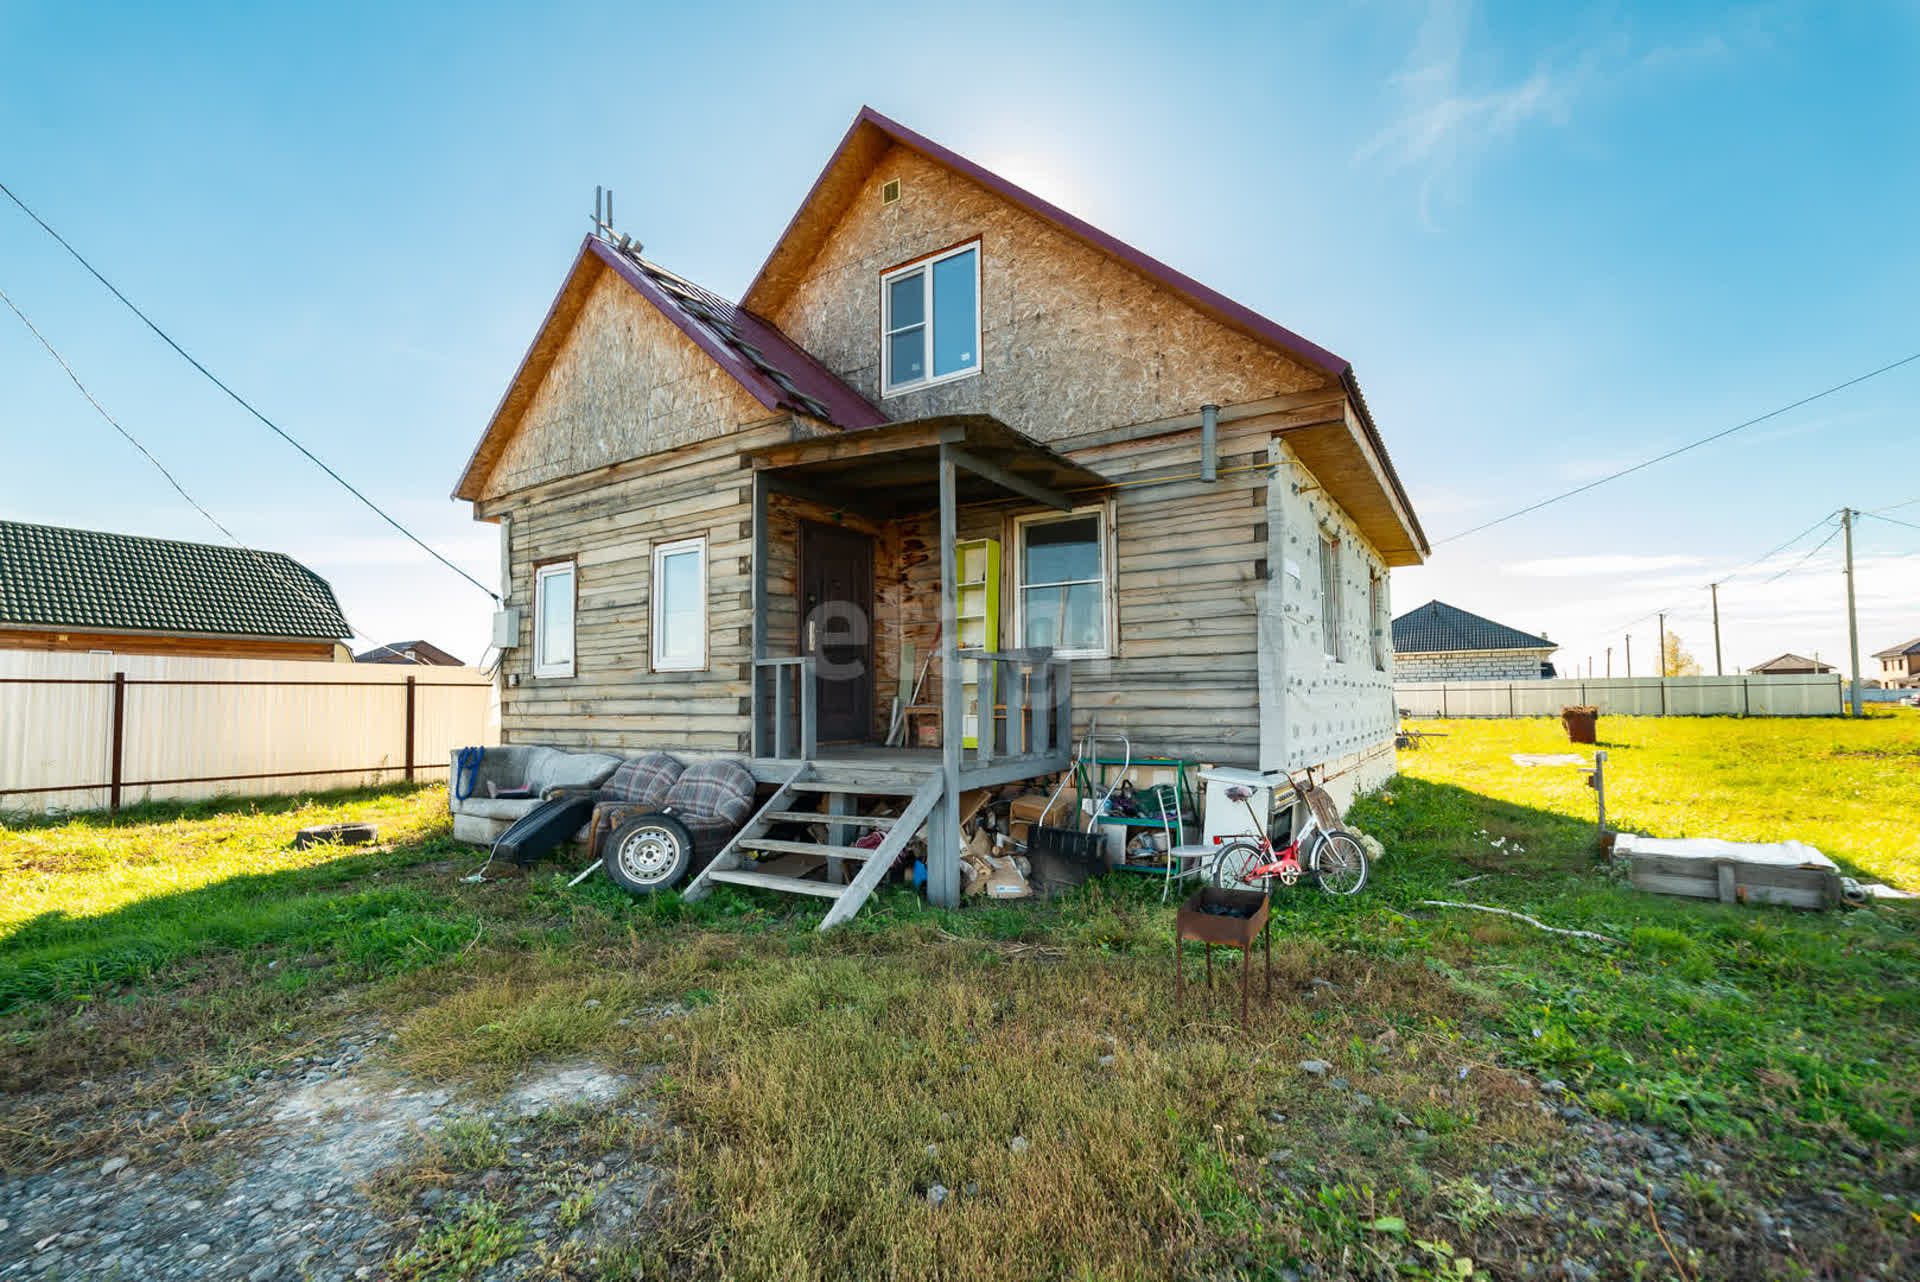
553	597
680	606
930	320
1061	587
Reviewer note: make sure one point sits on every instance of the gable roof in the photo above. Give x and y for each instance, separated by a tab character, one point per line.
56	577
1899	651
1437	627
868	139
1791	662
423	653
772	368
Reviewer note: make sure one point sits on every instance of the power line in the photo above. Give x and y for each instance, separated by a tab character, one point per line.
1761	560
240	400
1673	453
1808	557
1890	520
261	559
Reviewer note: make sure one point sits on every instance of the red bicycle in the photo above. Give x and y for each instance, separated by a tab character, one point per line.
1333	855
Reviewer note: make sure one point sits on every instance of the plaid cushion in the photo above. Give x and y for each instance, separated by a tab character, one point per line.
644	780
713	792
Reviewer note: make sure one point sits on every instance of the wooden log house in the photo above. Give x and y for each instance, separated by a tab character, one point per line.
726	527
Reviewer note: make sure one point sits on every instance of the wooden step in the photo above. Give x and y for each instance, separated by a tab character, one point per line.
816	817
809	848
863	788
768	881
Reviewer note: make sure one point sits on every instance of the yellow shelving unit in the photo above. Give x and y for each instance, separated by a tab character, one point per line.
978	591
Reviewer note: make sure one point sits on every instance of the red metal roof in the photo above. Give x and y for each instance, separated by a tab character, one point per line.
771	366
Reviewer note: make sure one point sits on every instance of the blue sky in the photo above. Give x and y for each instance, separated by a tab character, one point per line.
1553	239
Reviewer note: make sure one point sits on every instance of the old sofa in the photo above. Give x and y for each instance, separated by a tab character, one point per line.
479	817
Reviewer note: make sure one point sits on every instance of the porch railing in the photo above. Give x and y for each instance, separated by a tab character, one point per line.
785	724
1029	716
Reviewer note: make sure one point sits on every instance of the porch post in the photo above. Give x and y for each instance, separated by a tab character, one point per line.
943	828
757	735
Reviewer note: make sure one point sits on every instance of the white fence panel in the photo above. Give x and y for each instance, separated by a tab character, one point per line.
1758	696
206	727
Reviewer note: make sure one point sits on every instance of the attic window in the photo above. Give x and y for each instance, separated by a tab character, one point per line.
890	191
930	318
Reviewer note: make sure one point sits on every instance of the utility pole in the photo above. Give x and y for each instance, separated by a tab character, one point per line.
1609	663
1715	589
1663	645
1629	654
1853	622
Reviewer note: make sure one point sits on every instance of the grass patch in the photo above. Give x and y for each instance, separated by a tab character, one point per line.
822	1086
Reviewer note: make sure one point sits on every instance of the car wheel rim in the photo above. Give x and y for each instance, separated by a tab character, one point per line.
647	855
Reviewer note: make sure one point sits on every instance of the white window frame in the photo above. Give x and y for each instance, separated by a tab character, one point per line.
1103	538
887	328
1330	613
543	581
677	663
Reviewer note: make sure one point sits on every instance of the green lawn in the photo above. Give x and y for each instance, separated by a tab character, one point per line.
1849	788
824	1083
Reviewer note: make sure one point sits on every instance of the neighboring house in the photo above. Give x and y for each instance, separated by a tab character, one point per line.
1441	642
88	590
737	528
1790	665
419	652
1900	666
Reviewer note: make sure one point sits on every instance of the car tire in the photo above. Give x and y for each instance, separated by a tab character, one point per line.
647	853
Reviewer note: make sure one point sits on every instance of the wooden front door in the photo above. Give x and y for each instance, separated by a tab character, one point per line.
836	628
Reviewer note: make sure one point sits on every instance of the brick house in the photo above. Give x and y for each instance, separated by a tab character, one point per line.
1441	642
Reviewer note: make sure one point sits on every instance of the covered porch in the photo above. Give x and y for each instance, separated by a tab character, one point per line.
862	661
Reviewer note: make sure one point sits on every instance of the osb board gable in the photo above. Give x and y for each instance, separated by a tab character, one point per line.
1072	340
625	384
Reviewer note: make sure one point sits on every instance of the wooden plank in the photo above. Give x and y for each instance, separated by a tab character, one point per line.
831	819
783	847
770	881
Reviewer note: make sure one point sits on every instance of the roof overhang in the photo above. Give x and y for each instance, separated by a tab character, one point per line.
894	470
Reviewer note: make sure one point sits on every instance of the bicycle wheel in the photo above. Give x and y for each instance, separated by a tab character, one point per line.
1230	867
1340	863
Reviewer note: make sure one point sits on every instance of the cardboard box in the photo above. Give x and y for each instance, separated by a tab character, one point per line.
1033	808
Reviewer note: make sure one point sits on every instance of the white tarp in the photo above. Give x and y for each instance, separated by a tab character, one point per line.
1781	854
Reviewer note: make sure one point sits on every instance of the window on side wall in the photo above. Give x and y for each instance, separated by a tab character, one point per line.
553	601
1377	612
1062	583
680	606
1330	596
930	320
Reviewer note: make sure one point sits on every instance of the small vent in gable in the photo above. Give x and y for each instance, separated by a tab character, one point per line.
890	191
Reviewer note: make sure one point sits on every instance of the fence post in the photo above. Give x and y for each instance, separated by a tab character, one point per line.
119	740
409	757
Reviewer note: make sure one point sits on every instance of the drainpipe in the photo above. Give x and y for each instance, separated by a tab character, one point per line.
1209	442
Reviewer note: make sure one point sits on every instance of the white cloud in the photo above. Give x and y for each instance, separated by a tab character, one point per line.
1579	566
1444	122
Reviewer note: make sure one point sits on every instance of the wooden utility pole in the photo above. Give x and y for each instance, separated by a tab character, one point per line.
1853	621
1629	654
1715	589
1663	645
1609	663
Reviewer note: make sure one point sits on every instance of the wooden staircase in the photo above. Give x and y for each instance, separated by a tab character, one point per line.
843	787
